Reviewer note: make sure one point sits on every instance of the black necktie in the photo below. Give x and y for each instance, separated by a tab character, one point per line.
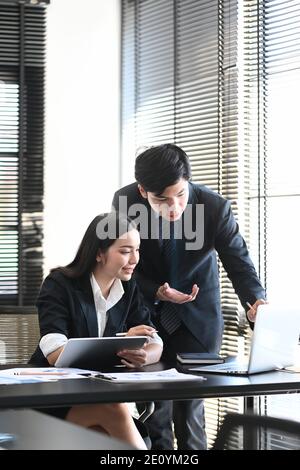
168	317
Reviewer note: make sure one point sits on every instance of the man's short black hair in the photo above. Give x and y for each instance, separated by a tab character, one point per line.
161	166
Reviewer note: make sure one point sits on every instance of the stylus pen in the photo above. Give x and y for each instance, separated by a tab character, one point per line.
250	306
125	334
103	377
96	376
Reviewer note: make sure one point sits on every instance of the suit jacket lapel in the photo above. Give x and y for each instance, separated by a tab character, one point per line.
86	298
116	318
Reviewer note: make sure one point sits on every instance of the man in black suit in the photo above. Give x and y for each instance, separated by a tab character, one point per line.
182	226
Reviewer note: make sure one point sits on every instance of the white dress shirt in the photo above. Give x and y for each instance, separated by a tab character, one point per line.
53	341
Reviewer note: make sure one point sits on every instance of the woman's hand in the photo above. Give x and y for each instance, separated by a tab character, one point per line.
141	330
52	357
138	357
167	293
133	357
148	354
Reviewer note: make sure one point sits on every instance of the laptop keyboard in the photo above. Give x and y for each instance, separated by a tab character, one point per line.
234	368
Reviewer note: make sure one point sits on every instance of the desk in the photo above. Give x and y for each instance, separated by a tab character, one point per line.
37	431
86	391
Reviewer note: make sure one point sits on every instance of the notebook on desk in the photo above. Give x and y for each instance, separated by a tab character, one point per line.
273	346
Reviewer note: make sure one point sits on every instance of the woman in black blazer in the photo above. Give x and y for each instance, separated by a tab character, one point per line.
94	295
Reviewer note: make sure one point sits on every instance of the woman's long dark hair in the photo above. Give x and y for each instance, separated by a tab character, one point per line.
102	232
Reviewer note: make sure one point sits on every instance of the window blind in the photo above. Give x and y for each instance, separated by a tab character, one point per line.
179	84
19	335
272	100
22	68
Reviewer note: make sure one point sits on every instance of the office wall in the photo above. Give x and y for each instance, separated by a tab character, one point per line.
82	120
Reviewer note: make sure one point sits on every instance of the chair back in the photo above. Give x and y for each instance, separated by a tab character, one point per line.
19	335
255	432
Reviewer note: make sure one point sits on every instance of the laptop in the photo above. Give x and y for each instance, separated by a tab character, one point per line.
274	343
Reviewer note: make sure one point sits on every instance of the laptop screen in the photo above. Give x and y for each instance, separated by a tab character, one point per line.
275	338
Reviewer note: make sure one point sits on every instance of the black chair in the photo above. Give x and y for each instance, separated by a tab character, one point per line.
149	409
255	432
139	422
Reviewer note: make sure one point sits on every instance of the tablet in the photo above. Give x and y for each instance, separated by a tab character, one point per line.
96	353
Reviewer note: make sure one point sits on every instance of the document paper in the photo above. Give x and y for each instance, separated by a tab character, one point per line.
169	375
